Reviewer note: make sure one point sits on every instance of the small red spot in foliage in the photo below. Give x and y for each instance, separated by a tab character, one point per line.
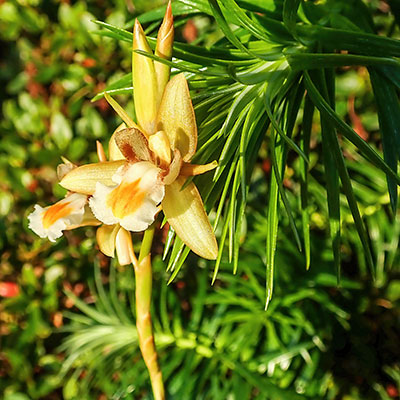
392	391
78	289
266	166
33	186
180	285
9	289
35	89
356	120
58	319
31	69
69	303
89	62
190	31
102	105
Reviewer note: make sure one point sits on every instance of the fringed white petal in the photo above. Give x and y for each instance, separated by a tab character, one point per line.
133	200
49	222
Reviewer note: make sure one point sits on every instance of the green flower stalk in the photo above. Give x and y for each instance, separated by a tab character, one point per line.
143	275
143	291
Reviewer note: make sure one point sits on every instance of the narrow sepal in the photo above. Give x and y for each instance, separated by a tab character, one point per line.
64	169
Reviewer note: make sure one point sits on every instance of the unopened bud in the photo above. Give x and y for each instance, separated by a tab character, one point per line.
144	82
164	46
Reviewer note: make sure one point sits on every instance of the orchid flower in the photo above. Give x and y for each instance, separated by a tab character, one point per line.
148	166
152	172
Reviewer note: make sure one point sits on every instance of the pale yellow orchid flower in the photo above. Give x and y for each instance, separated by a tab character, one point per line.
154	170
149	160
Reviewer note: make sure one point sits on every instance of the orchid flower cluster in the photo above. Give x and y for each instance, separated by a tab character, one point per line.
148	165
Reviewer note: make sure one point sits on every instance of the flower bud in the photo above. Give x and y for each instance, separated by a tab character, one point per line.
164	46
144	82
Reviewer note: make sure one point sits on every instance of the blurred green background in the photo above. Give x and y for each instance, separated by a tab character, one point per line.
315	341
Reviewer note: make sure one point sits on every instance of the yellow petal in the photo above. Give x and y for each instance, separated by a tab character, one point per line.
120	111
164	45
113	151
176	117
133	145
144	83
105	237
196	169
83	179
184	211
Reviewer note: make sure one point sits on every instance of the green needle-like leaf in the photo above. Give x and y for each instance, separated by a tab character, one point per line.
356	42
253	26
305	146
365	149
301	61
333	190
121	86
290	8
272	221
224	26
389	122
346	184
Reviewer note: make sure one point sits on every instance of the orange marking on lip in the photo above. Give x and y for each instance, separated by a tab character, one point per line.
54	213
125	199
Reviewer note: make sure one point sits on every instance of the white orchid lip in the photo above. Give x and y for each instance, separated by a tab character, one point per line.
49	222
134	199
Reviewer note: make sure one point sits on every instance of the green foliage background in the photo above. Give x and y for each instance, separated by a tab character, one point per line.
70	332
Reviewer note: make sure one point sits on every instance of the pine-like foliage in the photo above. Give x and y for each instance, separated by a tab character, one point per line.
262	73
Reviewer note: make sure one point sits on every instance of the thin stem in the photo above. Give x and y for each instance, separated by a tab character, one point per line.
143	274
147	242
